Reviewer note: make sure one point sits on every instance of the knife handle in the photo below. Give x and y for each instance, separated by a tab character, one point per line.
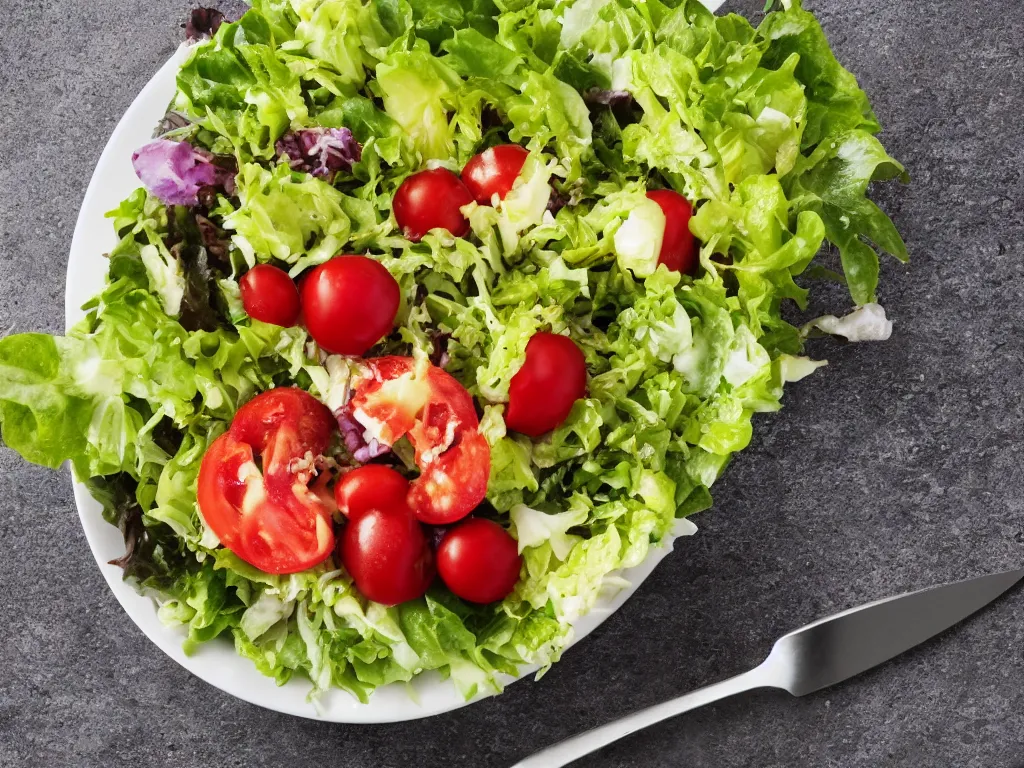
564	752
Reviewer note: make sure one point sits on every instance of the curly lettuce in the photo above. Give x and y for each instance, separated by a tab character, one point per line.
321	108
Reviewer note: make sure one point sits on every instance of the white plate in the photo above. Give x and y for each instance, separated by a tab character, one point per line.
216	662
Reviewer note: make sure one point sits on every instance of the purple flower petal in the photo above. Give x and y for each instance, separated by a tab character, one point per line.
320	151
174	171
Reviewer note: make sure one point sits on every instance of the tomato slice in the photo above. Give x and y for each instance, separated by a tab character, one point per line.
430	407
269	516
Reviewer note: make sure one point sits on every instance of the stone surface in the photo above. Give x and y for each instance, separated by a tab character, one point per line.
898	466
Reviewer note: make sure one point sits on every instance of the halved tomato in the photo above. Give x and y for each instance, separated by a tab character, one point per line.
401	398
254	483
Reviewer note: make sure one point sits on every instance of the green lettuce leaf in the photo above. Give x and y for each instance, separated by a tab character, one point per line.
288	216
418	90
836	103
832	181
765	133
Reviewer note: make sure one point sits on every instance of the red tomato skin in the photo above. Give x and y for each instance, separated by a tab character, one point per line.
453	482
679	252
270	296
493	172
285	407
219	485
387	554
286	527
373	486
553	377
431	199
479	561
349	304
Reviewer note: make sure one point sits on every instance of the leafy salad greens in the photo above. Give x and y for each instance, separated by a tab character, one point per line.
289	134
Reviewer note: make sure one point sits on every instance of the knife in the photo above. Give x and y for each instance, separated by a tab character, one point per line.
814	657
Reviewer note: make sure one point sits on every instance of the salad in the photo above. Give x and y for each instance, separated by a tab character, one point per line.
428	319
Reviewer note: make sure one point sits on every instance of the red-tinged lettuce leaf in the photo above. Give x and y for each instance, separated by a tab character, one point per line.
201	306
202	23
320	151
439	348
117	494
172	121
198	312
213	238
175	171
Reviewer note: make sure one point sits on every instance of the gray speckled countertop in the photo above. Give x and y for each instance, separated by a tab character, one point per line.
898	466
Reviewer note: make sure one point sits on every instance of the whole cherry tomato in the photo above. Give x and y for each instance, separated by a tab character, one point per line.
553	377
386	552
479	561
349	304
429	200
493	172
373	486
269	295
678	245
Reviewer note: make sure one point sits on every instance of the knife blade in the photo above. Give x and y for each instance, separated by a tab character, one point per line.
847	644
816	656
